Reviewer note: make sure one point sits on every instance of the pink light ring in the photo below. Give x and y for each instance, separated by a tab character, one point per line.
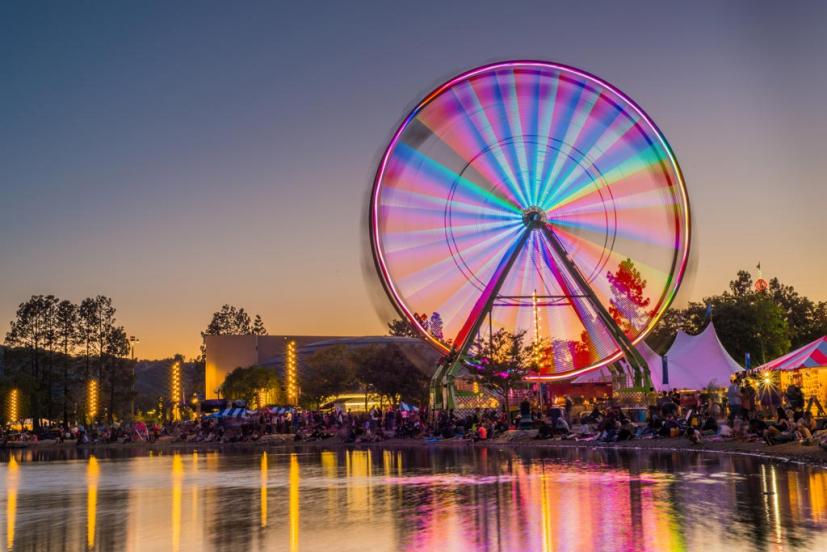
379	260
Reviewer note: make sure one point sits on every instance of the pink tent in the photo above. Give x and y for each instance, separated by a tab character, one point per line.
696	362
809	356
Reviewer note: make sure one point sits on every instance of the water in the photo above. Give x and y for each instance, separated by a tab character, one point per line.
410	499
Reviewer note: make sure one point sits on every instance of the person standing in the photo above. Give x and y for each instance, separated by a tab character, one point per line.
733	395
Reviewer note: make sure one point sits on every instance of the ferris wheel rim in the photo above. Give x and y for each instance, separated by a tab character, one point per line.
675	275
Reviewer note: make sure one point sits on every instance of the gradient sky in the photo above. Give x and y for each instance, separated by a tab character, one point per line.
178	156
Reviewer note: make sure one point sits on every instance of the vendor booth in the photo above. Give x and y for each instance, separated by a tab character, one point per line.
805	367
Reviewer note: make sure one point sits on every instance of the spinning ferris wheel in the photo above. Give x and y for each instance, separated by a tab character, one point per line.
537	198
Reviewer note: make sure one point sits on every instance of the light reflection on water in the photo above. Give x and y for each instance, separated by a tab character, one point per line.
411	499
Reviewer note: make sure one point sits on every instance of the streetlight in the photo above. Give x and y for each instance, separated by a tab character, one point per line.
14	408
290	374
175	389
92	399
132	342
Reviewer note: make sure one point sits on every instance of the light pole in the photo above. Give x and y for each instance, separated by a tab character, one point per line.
132	342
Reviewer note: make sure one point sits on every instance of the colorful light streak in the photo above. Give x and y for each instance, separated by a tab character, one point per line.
263	494
293	501
92	476
12	482
492	143
177	491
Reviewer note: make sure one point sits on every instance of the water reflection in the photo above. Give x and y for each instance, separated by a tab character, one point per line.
12	475
263	495
92	475
294	502
416	499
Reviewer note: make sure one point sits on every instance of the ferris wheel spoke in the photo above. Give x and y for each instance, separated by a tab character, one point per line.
477	116
442	177
571	147
466	142
645	162
566	103
510	120
576	161
545	119
614	135
479	257
472	324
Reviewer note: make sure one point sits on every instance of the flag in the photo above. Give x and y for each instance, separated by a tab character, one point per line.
759	265
747	361
708	311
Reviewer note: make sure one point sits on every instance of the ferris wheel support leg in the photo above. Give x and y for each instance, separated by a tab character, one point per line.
639	366
442	384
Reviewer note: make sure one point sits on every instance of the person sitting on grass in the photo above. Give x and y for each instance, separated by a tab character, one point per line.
670	427
781	431
804	428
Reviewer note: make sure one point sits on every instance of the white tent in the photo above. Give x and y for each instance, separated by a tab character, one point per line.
695	362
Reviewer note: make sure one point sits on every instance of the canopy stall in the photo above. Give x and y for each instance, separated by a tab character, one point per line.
231	413
805	367
812	355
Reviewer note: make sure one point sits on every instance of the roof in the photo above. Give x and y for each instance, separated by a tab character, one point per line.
415	349
809	356
696	362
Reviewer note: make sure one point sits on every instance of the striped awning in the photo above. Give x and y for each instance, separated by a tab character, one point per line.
278	410
230	413
809	356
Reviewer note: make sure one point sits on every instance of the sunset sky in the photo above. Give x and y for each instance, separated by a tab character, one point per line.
178	156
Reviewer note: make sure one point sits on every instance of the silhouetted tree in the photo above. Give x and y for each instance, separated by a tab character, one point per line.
258	326
502	361
326	373
628	302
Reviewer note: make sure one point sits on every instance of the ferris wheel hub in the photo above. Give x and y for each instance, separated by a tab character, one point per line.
534	217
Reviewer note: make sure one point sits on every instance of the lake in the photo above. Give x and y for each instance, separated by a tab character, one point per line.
409	499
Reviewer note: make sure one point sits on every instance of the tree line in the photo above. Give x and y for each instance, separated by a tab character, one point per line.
766	321
55	347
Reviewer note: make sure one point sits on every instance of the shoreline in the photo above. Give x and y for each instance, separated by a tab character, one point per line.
781	453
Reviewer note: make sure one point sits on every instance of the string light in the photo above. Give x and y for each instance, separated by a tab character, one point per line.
92	399
175	389
290	374
14	408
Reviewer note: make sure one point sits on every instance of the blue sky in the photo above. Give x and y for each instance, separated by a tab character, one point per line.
177	156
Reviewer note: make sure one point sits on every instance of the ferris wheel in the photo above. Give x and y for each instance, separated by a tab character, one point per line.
532	197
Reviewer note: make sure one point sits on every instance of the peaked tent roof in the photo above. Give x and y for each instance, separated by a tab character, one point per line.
810	355
696	361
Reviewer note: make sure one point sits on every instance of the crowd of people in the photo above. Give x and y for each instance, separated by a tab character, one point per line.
739	413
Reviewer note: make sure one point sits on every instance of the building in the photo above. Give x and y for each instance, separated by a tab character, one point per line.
225	353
